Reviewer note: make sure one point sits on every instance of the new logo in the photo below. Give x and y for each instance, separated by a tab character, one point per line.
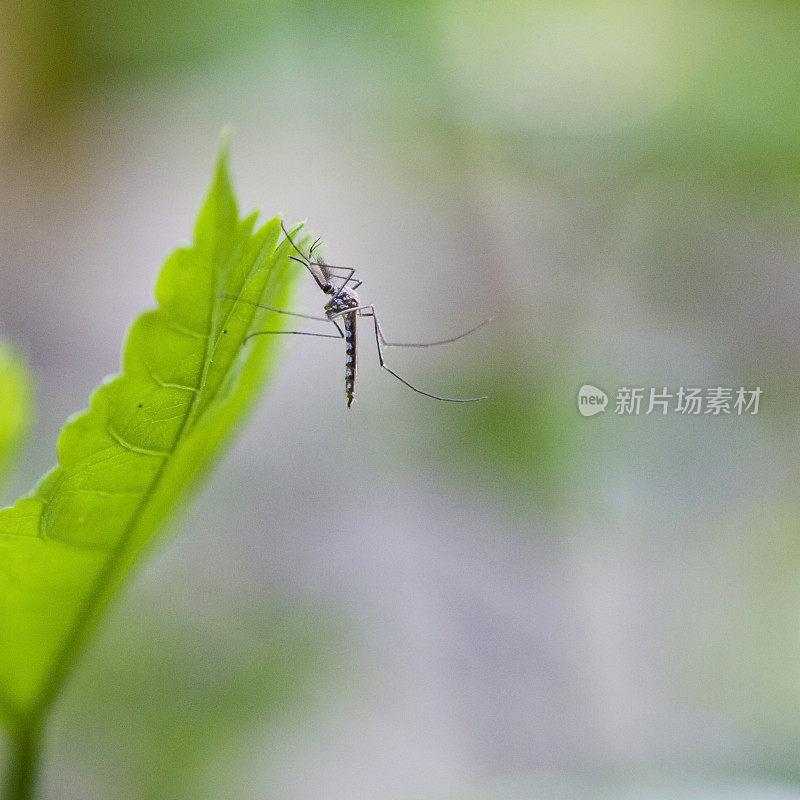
591	400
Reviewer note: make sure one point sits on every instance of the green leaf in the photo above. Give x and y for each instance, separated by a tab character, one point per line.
147	436
15	401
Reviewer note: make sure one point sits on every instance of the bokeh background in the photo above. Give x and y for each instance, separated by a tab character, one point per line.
416	599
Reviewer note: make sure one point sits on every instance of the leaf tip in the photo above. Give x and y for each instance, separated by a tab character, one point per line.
224	154
225	138
219	207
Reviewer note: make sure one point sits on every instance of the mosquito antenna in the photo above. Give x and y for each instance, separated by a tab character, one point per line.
434	344
240	299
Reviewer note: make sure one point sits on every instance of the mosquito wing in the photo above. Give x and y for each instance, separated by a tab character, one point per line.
319	272
324	270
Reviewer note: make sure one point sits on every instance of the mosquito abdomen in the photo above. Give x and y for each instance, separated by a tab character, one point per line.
350	358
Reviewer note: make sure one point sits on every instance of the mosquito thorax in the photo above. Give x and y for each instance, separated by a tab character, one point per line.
342	300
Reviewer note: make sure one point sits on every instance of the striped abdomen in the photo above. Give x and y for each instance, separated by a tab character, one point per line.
338	308
350	357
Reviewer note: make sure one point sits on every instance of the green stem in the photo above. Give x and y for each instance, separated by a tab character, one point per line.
24	762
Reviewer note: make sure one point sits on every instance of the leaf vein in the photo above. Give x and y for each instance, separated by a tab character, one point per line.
135	448
167	385
176	326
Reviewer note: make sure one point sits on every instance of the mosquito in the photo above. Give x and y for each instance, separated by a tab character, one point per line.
344	306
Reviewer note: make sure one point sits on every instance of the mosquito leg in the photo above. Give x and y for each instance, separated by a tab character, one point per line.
354	285
332	317
276	310
379	337
339	335
346	281
419	344
341	332
349	279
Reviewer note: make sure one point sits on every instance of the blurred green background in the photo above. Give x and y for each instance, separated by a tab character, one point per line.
415	599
